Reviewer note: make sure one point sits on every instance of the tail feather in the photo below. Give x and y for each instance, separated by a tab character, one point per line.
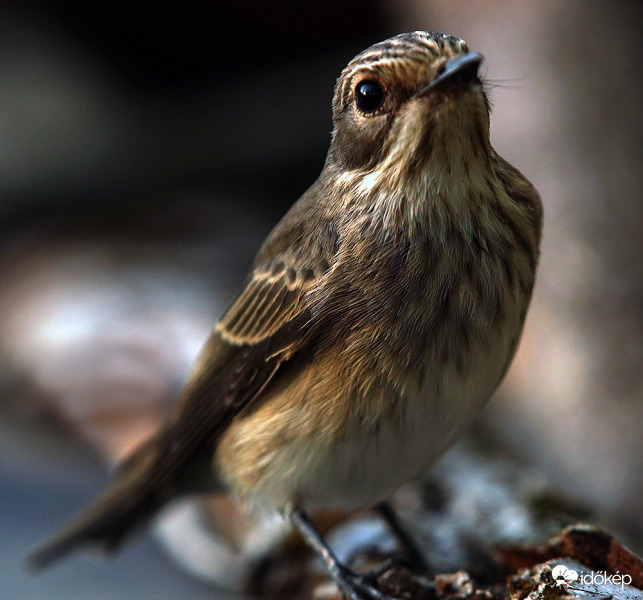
124	507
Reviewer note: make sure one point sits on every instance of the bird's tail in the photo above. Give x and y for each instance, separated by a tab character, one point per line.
126	505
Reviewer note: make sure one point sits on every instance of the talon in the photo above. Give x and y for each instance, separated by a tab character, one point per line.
359	587
390	563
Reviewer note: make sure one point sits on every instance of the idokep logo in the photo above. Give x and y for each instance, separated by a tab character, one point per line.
563	576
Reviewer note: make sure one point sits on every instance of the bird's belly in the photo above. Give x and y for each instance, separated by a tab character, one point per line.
371	464
366	463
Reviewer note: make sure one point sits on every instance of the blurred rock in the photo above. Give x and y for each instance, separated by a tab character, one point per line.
563	577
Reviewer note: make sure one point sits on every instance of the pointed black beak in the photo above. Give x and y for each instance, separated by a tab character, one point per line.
461	69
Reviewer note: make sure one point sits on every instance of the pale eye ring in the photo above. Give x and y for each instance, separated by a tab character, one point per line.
369	96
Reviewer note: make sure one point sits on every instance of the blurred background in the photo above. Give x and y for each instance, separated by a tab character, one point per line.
147	148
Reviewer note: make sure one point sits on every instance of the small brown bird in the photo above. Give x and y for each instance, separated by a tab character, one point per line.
379	316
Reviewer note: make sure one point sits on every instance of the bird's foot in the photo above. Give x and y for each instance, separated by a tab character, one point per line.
354	585
393	562
358	586
415	559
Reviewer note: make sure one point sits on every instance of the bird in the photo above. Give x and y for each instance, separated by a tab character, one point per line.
378	317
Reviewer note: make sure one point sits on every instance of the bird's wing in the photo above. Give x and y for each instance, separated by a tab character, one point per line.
264	327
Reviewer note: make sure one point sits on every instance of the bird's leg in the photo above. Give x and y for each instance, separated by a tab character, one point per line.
407	544
354	585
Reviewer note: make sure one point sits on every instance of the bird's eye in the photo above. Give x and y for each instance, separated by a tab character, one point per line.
369	96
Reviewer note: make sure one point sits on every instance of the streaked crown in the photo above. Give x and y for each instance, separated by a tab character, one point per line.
409	57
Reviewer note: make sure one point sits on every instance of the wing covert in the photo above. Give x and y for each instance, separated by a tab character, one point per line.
272	297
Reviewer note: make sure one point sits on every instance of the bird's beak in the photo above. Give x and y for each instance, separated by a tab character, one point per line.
461	69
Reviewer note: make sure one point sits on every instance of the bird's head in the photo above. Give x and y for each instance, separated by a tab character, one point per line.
410	106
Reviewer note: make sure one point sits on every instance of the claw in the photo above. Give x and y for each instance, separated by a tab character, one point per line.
357	586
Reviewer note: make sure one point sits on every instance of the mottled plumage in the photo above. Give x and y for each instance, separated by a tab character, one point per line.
379	316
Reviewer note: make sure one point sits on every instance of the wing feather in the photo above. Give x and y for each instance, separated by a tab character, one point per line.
265	326
266	304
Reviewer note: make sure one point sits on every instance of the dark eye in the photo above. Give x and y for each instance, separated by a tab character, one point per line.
369	96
